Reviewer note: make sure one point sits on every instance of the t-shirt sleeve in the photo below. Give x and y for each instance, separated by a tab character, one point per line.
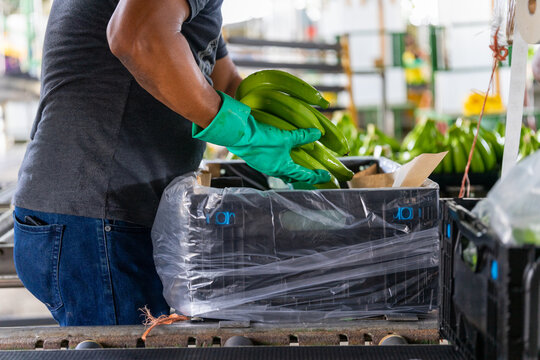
221	48
195	6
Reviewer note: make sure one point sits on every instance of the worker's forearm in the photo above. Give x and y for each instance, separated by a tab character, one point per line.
233	85
225	76
160	59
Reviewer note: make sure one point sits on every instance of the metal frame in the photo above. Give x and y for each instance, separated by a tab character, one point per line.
343	66
207	334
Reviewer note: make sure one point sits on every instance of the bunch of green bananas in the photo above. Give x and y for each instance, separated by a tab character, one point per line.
280	99
372	142
458	142
426	138
377	143
529	140
423	138
355	136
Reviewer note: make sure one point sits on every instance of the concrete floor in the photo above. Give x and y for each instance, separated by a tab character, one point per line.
19	303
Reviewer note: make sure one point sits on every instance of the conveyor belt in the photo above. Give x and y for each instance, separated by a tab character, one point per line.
208	334
417	352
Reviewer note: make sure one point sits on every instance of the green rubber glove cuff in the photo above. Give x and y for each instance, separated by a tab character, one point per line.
227	128
263	147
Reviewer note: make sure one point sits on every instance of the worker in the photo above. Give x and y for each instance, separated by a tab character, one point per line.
131	91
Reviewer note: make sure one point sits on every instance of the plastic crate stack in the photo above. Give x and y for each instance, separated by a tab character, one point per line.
489	290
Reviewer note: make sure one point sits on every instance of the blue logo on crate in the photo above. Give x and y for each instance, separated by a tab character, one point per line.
220	218
404	213
494	270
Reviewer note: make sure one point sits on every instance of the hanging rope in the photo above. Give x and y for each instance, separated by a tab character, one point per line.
500	54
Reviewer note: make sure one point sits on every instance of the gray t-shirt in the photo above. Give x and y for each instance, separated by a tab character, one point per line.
102	146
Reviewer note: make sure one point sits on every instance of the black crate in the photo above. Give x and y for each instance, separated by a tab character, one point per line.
450	184
489	305
259	230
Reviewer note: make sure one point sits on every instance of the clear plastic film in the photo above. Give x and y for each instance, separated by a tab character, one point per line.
503	21
289	256
512	207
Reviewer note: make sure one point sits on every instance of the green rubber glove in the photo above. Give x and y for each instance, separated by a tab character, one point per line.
263	147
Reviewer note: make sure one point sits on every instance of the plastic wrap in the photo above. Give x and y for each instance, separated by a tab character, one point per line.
287	256
502	21
512	207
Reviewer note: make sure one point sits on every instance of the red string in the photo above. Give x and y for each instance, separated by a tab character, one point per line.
499	54
152	321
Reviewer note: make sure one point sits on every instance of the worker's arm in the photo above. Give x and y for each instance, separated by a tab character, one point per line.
146	37
225	76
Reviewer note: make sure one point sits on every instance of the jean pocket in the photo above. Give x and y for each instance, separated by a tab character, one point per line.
36	253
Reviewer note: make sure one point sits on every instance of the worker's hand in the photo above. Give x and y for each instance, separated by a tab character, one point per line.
263	147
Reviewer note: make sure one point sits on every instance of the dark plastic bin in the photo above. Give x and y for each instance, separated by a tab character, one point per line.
450	184
489	290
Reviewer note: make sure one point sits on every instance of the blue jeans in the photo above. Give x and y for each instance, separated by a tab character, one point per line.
87	271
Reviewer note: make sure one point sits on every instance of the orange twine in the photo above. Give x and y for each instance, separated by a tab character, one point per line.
499	54
161	320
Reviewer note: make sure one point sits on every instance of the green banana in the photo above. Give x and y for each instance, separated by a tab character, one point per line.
423	137
487	153
354	135
332	184
477	164
330	162
272	120
409	142
355	146
492	139
269	119
346	125
525	145
302	158
333	138
459	155
501	129
529	142
427	139
394	144
482	146
281	81
407	156
375	143
283	106
447	162
534	142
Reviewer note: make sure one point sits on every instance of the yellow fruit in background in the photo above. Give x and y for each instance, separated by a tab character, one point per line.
330	96
473	104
